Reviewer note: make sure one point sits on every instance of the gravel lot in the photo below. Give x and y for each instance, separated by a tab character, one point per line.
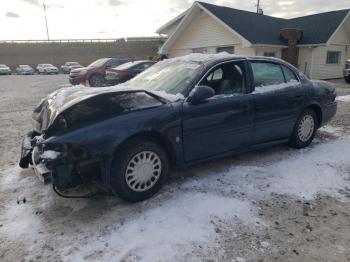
276	204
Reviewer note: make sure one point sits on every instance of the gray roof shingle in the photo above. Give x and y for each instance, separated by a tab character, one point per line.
263	29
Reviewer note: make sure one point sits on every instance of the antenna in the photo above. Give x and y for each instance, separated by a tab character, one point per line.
47	27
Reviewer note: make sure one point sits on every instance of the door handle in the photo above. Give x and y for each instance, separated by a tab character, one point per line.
298	96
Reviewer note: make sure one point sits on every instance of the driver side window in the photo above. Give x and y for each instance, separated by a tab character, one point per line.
227	79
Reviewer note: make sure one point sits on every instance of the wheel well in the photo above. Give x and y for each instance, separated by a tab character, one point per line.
151	135
318	111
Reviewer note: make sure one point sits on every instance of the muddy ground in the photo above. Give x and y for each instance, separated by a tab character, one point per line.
220	217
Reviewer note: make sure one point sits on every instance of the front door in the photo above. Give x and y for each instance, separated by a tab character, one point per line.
223	122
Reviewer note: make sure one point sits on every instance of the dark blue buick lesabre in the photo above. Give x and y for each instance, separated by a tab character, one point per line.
179	112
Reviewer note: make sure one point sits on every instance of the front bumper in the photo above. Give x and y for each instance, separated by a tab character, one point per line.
58	163
30	155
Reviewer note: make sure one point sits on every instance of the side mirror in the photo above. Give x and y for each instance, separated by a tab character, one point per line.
200	94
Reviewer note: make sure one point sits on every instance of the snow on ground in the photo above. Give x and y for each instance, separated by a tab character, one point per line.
343	98
182	217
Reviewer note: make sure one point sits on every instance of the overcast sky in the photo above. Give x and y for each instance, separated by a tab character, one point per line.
24	19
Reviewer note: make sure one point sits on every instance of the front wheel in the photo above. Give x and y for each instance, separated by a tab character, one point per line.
139	170
304	130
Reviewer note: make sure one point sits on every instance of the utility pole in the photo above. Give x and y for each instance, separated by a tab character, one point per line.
258	7
47	27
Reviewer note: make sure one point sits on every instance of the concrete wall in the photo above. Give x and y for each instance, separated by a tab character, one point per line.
13	54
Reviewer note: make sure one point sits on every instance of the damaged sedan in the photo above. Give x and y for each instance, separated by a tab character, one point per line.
181	111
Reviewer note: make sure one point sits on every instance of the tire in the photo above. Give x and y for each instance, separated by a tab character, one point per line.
125	170
304	129
96	81
347	79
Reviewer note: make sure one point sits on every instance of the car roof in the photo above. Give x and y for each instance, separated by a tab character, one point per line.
132	64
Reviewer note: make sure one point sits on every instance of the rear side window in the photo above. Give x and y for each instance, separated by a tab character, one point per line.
115	62
266	74
289	75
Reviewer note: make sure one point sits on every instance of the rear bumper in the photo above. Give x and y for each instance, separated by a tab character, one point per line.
347	73
328	111
76	79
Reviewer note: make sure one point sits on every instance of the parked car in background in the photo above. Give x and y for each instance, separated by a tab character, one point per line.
5	70
94	73
178	112
25	70
47	69
125	72
347	71
68	66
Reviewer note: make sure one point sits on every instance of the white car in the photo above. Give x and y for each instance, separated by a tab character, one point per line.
68	66
25	70
46	69
5	70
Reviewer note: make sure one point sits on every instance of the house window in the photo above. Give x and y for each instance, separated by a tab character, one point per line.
228	49
198	50
333	57
269	54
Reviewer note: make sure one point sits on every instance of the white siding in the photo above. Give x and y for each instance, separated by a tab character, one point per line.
304	60
205	32
340	42
321	70
260	50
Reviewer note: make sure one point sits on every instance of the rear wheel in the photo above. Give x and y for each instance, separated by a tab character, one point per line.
96	81
304	130
139	170
347	79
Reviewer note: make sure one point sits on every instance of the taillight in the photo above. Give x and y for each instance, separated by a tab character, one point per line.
122	73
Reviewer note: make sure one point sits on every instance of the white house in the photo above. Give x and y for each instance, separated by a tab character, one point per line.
319	44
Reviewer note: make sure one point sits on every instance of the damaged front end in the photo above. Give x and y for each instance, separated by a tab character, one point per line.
65	165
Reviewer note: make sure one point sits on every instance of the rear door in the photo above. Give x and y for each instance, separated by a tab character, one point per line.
278	99
223	122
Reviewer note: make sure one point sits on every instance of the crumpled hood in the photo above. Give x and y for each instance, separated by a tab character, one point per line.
57	102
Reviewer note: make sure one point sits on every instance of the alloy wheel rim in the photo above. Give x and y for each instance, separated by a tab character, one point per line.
306	128
143	171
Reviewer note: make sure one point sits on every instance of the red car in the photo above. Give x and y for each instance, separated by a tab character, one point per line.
94	73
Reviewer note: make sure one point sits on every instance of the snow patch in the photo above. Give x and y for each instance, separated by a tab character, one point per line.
197	58
336	131
343	98
170	230
168	96
50	154
270	88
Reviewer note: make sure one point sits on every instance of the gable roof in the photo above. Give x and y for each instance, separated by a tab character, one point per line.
264	29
